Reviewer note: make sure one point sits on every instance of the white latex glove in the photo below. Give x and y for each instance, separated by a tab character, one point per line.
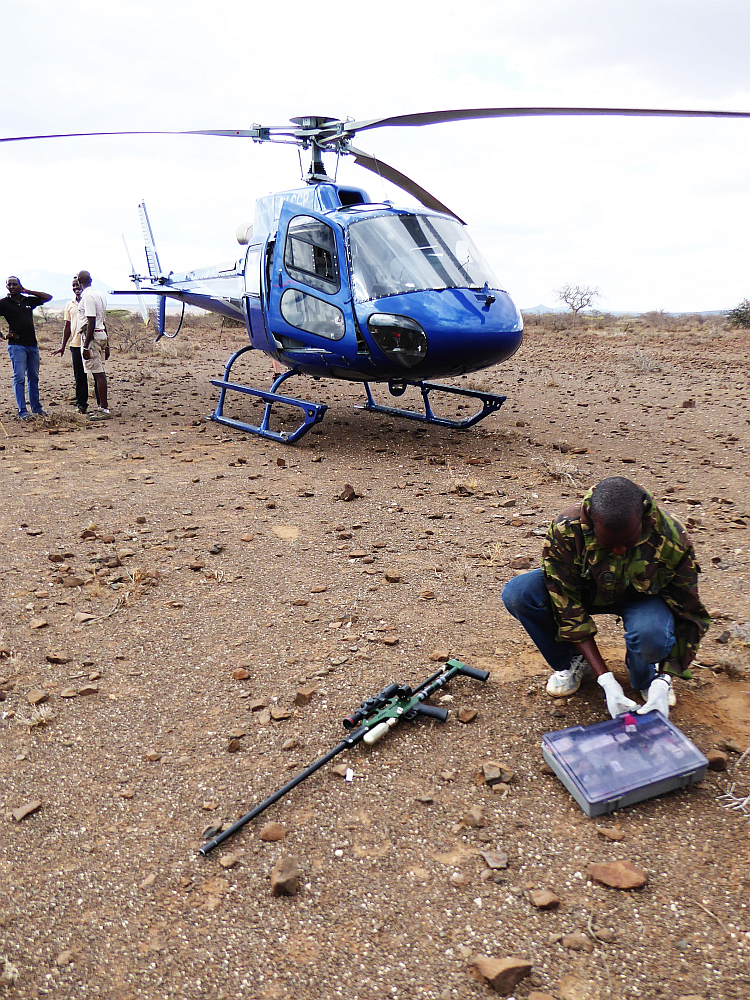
658	696
617	703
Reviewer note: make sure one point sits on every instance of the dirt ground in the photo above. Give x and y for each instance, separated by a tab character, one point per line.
148	558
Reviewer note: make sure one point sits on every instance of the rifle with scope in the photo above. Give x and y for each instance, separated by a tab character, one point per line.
369	723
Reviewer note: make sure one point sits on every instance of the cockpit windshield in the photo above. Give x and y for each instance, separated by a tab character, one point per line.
394	254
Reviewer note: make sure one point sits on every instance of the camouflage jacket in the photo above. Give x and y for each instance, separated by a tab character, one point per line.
581	576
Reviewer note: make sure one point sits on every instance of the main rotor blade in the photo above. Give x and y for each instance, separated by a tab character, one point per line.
471	114
400	180
253	133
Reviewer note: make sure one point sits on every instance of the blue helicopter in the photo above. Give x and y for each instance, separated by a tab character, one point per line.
334	285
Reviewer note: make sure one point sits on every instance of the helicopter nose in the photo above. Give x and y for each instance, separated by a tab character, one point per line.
444	332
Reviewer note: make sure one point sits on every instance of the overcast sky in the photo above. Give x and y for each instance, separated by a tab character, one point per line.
652	212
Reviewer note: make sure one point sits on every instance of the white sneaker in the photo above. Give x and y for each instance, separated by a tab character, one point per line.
671	697
564	682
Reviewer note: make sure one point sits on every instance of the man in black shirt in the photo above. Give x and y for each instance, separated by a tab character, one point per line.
17	308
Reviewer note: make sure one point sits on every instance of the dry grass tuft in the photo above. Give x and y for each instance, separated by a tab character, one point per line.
559	469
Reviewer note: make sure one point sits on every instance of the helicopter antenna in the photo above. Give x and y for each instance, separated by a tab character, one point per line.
301	168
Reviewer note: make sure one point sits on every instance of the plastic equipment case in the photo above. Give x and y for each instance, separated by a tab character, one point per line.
615	763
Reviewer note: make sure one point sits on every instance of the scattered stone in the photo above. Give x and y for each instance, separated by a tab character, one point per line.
240	674
611	833
69	693
494	773
340	769
304	696
460	880
392	577
152	755
57	658
272	832
84	616
233	746
717	760
25	810
605	934
209	805
64	958
36	696
257	704
127	793
56	557
264	717
427	595
285	877
88	689
544	899
228	860
520	562
278	713
467	714
289	744
688	404
196	565
440	655
148	881
319	589
246	538
503	974
546	769
578	941
474	817
627	460
125	553
211	831
731	746
348	493
37	623
426	800
495	860
618	875
72	581
390	640
216	549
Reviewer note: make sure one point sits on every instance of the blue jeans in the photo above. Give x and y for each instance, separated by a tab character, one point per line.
25	361
649	626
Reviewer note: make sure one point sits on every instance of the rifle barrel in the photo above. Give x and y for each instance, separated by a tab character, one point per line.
280	793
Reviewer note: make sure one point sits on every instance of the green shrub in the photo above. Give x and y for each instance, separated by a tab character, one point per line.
740	315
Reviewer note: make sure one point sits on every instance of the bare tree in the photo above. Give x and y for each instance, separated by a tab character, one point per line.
577	297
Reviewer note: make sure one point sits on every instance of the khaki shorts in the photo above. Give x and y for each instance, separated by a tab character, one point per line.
95	362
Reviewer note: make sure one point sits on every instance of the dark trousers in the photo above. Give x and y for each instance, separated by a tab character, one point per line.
82	382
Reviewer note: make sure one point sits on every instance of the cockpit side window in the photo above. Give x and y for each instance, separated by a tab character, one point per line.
310	254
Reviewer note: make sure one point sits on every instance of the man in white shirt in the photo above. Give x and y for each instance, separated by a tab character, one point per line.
92	311
72	338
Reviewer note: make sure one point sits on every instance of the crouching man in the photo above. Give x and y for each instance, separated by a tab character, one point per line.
615	553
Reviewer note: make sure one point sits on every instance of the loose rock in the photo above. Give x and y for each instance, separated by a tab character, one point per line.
240	674
25	810
57	658
285	877
474	817
717	760
495	860
503	974
272	832
467	714
613	833
618	875
36	696
544	899
578	941
304	696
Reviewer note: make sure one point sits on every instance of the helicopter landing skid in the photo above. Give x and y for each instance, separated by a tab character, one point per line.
397	387
312	413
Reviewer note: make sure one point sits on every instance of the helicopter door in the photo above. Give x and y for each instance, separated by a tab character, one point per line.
309	298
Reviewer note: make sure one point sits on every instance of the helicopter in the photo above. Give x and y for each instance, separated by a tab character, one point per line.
331	284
